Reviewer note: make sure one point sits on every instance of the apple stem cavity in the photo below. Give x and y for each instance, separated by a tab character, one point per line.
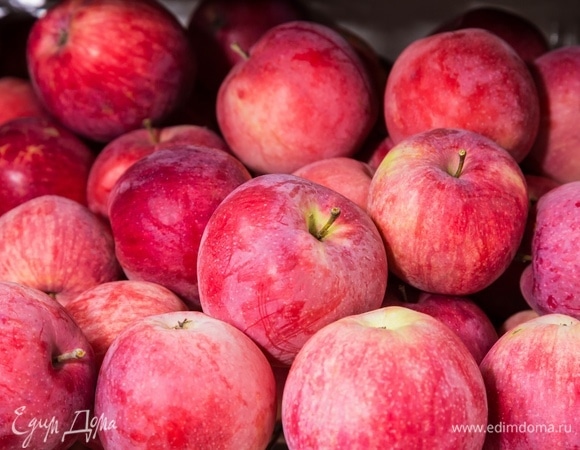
182	324
320	234
462	154
153	132
77	353
239	50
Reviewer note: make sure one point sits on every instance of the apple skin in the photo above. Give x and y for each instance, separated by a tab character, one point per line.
555	151
551	283
18	99
57	246
39	157
345	175
260	268
122	152
446	234
388	378
158	210
35	330
469	79
303	94
207	386
531	377
516	319
103	66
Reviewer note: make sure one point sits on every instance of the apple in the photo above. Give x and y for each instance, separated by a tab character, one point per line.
158	210
388	378
57	246
379	152
102	67
451	206
551	282
185	380
47	371
523	35
516	319
18	99
345	175
301	95
39	157
120	153
469	79
283	256
531	377
555	151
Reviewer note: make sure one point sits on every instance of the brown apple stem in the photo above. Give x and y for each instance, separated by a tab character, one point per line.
320	234
181	324
77	353
462	154
239	50
153	132
524	258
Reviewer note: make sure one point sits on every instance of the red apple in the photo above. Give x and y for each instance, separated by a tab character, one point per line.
101	67
122	152
185	380
39	157
389	378
18	99
516	319
469	79
451	206
283	256
555	151
47	371
158	210
303	94
531	376
347	176
57	246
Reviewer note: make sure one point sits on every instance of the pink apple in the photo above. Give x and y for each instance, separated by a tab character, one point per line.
389	378
347	176
47	371
186	380
158	210
516	319
451	206
469	79
555	151
303	94
39	157
283	256
531	376
57	246
551	283
18	99
102	67
119	154
105	310
523	35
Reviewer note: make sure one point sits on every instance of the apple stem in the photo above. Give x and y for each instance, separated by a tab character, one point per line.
239	50
524	258
462	154
181	324
77	353
403	291
320	234
153	132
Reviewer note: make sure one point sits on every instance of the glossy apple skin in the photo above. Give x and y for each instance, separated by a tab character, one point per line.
555	151
39	157
469	79
551	283
122	152
207	386
345	175
388	378
57	246
18	99
302	95
103	66
36	329
446	234
260	269
159	209
531	377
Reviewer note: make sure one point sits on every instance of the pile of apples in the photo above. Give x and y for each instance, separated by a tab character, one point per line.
250	228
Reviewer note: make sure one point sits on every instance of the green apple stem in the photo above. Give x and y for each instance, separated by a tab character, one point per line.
77	353
462	154
320	234
153	132
239	50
